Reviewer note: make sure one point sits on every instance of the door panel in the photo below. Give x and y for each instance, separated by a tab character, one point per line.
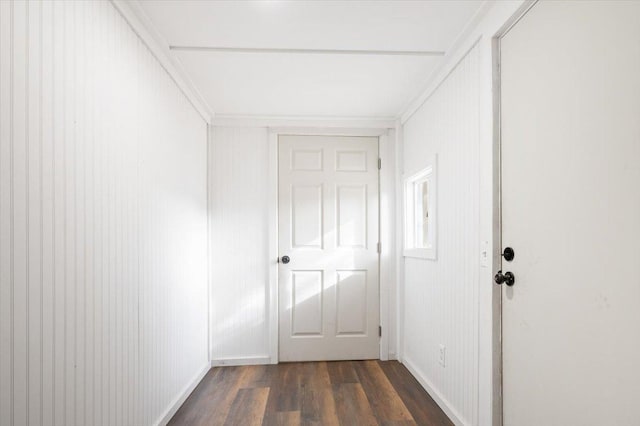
351	303
307	287
570	127
352	216
306	216
328	227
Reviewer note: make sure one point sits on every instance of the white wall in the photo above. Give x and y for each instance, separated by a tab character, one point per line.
239	161
238	191
103	220
441	296
475	45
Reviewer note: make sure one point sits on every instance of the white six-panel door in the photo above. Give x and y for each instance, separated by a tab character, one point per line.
328	228
570	74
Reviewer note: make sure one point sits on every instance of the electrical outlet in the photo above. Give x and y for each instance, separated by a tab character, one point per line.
442	358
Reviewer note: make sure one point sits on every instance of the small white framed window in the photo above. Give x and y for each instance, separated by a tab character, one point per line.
420	213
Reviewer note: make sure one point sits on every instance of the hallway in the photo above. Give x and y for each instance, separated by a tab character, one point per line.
319	212
311	393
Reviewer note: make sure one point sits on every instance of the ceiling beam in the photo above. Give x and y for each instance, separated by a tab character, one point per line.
220	49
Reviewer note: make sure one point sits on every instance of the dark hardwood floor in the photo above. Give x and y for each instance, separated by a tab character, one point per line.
311	393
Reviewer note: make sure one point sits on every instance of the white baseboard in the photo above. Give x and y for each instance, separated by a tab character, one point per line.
254	360
182	397
437	396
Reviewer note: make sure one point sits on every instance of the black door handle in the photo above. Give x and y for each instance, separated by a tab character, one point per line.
285	259
508	278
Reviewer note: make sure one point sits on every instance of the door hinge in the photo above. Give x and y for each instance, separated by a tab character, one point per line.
379	248
379	163
379	331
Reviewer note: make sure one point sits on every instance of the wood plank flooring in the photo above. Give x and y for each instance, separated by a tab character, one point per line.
311	393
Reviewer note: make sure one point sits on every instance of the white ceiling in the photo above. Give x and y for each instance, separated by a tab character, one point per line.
309	84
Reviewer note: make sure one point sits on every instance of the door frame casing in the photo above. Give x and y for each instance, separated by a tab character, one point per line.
488	25
386	227
525	7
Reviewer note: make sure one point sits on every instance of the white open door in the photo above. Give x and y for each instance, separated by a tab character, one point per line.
328	238
570	147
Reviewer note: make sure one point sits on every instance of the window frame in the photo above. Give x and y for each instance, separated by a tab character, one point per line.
428	175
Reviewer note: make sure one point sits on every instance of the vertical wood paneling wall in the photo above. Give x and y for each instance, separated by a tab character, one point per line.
441	296
238	194
103	222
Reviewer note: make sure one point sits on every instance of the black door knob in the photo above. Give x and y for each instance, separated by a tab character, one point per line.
285	259
508	278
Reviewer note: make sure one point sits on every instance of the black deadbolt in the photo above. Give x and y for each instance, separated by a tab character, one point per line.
508	254
508	278
285	259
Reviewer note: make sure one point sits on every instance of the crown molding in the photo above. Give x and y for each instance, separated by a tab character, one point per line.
284	121
463	43
134	14
276	50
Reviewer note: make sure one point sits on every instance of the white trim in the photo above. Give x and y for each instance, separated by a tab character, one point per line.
383	270
134	14
386	232
273	226
419	253
182	397
453	415
493	186
312	131
439	78
458	50
272	241
245	360
292	121
428	174
280	51
209	251
515	18
488	22
491	243
399	226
